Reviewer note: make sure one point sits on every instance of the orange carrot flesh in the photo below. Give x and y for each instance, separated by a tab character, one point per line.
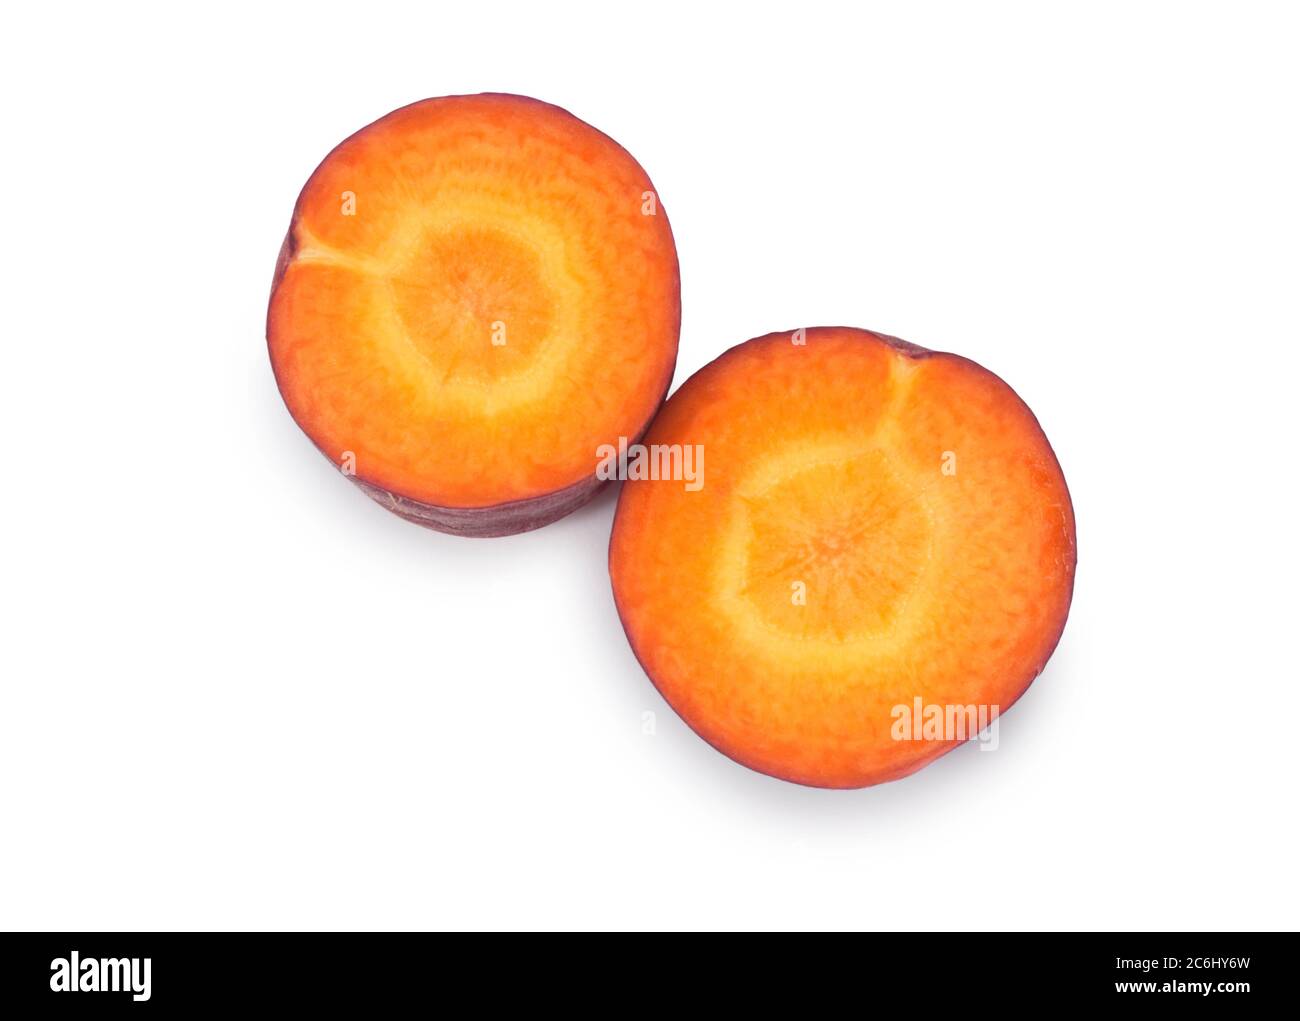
476	293
877	524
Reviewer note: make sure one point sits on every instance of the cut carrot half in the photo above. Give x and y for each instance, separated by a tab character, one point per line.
475	295
877	559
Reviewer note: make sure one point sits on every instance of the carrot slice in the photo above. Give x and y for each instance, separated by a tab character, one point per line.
881	531
476	293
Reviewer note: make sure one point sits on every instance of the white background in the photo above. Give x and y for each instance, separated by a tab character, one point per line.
236	693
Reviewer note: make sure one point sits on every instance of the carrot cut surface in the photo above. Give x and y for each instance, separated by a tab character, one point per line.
879	529
475	294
